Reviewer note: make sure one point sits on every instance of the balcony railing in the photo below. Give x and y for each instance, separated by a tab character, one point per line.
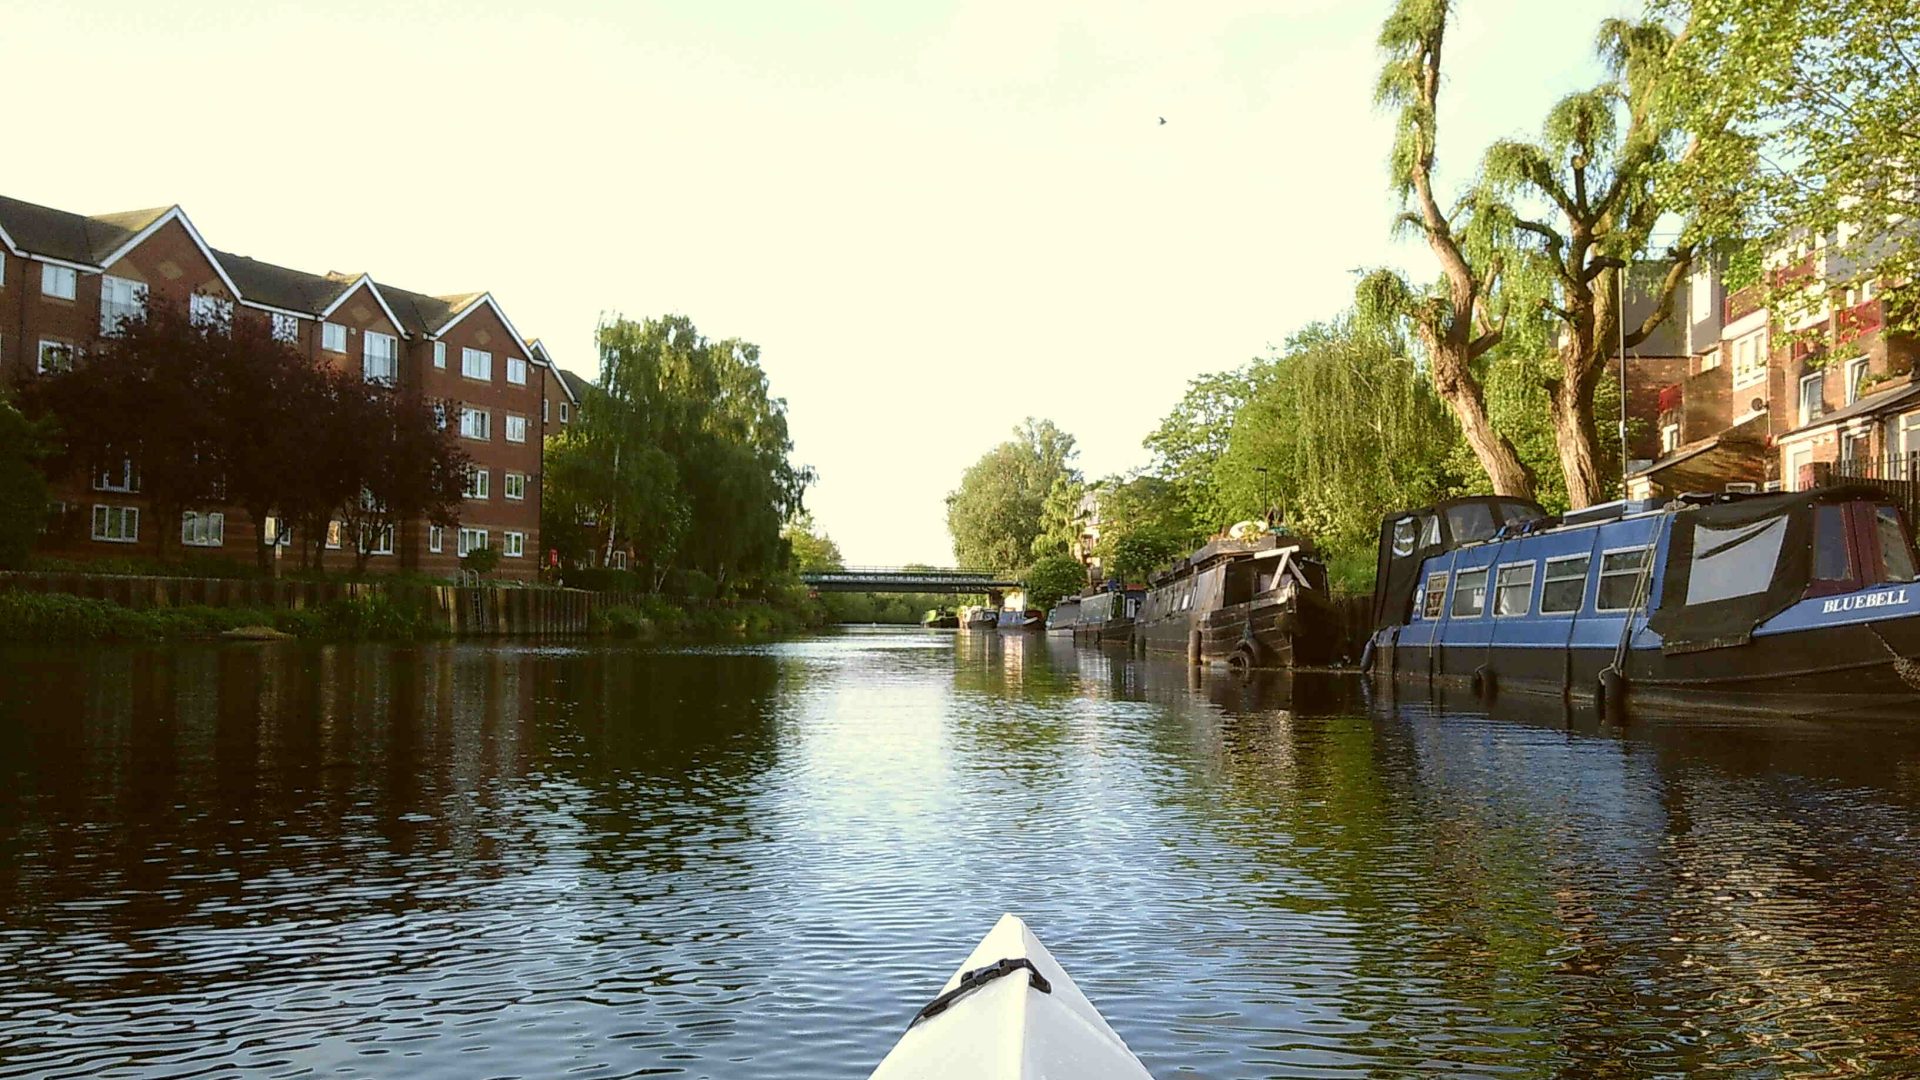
1898	475
1745	302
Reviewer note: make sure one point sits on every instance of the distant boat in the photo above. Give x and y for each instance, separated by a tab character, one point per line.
941	619
1064	616
1021	620
981	618
1106	618
1010	1013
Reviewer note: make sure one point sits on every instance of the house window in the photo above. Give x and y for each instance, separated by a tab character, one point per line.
1709	360
377	541
546	412
59	282
1856	374
516	371
1813	389
1798	459
333	337
479	481
121	477
1619	579
1750	359
286	328
1470	593
120	299
380	357
516	428
1565	584
276	533
202	530
55	356
1436	598
1513	590
563	412
516	485
335	529
440	355
435	538
476	364
116	524
619	560
1853	450
1669	438
476	424
515	545
472	540
212	312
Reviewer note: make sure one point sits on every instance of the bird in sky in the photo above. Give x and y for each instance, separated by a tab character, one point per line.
1163	120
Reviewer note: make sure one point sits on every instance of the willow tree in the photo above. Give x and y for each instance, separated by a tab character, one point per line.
1461	318
997	512
1593	171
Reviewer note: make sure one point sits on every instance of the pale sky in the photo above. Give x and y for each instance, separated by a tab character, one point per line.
935	218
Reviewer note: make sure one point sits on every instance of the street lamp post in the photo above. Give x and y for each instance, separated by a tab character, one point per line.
1261	469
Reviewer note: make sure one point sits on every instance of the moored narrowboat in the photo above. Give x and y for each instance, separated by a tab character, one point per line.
1260	601
980	618
1800	604
941	619
1107	618
1016	619
1064	616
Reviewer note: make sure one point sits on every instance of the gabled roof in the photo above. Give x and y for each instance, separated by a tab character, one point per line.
353	284
574	386
69	237
466	304
264	284
540	354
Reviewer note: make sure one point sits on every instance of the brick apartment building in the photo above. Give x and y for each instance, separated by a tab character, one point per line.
1780	400
65	277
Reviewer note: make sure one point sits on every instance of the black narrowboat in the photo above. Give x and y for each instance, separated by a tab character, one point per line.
1261	602
1800	604
1064	616
1106	618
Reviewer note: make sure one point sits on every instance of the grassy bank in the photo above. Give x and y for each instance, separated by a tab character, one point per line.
58	619
660	618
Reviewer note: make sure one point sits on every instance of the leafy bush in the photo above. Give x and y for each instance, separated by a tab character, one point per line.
481	560
57	617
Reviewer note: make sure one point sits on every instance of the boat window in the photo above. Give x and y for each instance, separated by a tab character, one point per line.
1470	593
1565	585
1513	590
1737	560
1619	579
1436	598
1896	551
1831	559
1430	530
1513	511
1404	531
1470	521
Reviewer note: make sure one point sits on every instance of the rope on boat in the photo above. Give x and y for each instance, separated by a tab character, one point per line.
1908	669
1641	593
978	977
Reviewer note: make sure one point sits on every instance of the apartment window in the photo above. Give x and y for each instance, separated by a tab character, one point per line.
276	532
514	545
286	328
1435	601
516	371
619	560
380	357
1669	438
116	524
1750	359
54	356
1565	584
120	299
516	485
59	282
516	428
546	412
333	337
440	355
1856	374
1813	390
479	483
377	541
1513	590
335	530
1853	447
476	364
1710	360
476	424
202	530
1619	579
435	538
210	311
1470	593
563	412
1798	459
119	477
472	540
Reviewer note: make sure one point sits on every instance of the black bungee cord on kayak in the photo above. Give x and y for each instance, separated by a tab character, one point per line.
978	977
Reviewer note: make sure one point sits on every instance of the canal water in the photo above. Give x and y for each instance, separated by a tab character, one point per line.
519	860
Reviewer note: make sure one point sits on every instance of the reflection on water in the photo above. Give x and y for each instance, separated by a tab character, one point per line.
757	862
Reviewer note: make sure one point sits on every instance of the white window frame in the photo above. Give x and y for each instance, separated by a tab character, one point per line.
1804	452
1855	371
1601	575
120	298
106	515
563	412
1669	438
476	364
59	282
1750	359
376	368
333	337
546	411
468	538
1433	602
1819	401
286	328
198	529
377	541
515	486
440	355
619	560
126	479
476	424
205	309
516	371
58	348
1486	594
516	422
335	530
1585	559
513	545
479	485
1500	584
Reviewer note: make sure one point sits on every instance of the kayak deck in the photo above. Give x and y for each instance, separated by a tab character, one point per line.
1006	1025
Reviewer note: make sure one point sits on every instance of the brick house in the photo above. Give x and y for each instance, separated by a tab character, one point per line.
65	279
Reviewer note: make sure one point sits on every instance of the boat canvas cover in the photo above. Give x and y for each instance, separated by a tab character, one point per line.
1732	566
1409	539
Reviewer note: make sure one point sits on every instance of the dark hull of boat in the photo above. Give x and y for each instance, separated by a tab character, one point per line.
1270	633
1864	670
950	622
982	624
1110	632
1169	634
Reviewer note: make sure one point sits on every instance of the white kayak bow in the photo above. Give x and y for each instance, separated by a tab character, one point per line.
1010	1013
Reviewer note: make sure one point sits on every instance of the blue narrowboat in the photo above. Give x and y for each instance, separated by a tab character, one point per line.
1800	604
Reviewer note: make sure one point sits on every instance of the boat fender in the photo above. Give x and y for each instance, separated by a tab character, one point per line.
978	977
1610	695
1482	683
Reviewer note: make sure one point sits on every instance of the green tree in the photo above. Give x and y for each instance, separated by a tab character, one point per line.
810	549
1054	578
1195	435
996	513
1142	506
1134	557
1060	517
23	490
